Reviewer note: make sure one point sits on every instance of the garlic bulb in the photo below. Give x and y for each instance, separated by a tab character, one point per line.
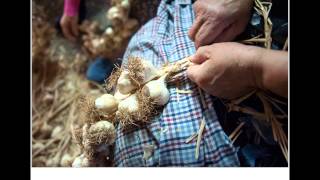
150	72
102	132
107	103
98	43
125	85
56	131
129	105
116	13
157	91
109	31
119	96
81	161
66	160
125	4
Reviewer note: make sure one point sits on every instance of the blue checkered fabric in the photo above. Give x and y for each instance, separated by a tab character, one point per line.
165	39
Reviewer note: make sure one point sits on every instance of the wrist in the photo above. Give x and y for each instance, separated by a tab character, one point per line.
271	71
255	57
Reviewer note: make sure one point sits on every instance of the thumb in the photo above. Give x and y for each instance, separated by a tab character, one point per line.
193	72
201	55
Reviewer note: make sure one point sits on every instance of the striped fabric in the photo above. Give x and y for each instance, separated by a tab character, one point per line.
162	143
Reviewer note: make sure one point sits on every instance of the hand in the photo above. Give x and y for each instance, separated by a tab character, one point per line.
219	20
226	70
69	25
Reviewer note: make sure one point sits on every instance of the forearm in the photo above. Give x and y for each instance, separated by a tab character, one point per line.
274	71
71	7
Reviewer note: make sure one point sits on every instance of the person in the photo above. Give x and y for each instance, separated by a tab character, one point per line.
74	13
162	142
227	69
221	68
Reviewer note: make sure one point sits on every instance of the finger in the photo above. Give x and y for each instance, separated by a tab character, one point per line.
201	55
200	74
195	27
208	33
66	30
74	28
67	33
193	72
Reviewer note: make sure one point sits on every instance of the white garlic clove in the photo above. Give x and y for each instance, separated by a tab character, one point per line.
124	84
115	13
129	105
95	42
157	91
109	31
113	10
107	103
125	4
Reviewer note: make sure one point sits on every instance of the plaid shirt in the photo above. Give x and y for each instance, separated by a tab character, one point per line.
165	39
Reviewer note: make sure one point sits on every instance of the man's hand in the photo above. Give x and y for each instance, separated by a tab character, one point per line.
219	20
227	70
69	25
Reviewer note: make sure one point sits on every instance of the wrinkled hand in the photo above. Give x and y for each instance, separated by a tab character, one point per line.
69	25
226	70
219	20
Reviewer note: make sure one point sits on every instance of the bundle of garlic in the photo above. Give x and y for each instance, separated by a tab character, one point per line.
111	41
141	89
94	131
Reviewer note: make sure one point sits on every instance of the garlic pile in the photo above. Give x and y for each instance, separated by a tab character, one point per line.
111	41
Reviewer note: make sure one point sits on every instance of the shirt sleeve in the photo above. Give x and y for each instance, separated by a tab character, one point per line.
71	7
